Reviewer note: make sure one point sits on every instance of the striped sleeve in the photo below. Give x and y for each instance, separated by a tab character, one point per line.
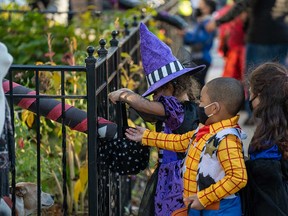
172	142
231	158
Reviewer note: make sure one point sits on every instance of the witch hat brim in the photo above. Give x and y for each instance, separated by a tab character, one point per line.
171	77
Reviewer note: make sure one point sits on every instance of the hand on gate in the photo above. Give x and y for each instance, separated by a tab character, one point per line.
115	95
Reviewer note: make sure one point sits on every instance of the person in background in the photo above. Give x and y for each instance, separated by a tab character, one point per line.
267	189
199	40
267	34
232	44
174	105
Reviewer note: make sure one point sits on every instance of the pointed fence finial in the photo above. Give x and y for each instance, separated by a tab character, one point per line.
102	52
114	42
127	32
135	23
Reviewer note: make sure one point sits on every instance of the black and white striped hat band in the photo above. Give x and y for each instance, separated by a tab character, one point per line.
164	71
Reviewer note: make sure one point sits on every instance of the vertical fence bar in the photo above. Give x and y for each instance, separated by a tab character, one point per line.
13	168
64	149
92	132
38	144
118	85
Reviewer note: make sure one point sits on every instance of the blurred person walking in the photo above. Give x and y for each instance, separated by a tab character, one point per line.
231	37
199	40
267	33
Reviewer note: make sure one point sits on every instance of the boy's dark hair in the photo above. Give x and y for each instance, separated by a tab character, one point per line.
269	82
227	90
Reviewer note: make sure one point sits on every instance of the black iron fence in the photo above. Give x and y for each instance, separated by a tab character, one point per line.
108	193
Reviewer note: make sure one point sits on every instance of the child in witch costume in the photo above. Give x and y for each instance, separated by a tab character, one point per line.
214	169
173	104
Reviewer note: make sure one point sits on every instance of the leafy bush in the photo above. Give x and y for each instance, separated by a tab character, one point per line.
26	34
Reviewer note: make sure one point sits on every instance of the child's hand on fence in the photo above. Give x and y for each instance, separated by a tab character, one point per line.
116	95
135	134
195	203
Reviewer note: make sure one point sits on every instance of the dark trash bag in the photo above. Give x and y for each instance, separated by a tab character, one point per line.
122	155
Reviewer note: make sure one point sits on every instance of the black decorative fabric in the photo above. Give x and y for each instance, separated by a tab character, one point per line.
122	155
266	193
190	122
191	119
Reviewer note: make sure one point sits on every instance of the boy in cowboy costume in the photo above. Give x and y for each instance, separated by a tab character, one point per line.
214	169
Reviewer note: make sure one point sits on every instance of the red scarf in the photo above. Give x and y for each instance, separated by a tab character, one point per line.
201	132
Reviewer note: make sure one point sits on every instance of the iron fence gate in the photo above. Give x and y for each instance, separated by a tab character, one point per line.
108	193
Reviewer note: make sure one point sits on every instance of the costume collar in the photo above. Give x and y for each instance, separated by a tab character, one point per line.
231	122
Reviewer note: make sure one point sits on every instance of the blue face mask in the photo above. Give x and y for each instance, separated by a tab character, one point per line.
202	115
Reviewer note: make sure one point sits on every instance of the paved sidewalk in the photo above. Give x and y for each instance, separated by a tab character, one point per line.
216	71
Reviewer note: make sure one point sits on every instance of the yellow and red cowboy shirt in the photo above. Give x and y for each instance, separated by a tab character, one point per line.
229	154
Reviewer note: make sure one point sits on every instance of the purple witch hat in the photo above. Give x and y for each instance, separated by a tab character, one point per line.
159	64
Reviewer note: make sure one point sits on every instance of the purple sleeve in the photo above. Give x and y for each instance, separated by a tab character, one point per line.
173	110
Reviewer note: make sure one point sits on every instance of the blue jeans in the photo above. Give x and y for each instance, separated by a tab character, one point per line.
257	54
228	207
